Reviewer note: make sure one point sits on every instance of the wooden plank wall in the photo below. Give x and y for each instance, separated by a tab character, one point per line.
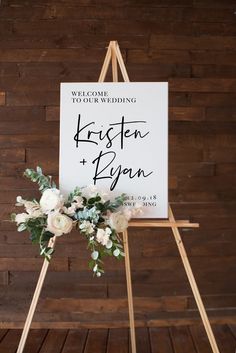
190	43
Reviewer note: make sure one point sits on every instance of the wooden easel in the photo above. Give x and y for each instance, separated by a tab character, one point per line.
113	55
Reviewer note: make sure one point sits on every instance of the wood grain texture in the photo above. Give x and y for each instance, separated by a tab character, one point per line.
150	340
190	44
2	98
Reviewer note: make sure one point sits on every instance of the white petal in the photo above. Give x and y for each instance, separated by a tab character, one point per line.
116	252
109	244
94	255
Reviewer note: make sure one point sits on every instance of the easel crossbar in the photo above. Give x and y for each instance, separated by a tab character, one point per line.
163	224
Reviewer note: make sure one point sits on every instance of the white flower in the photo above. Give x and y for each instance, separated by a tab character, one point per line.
108	231
118	221
130	212
98	274
51	200
102	235
87	227
70	211
21	218
19	201
36	213
137	210
33	209
105	196
58	223
78	201
127	213
116	252
92	191
94	255
109	244
95	268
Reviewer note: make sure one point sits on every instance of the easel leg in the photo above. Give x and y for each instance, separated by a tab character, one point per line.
34	302
193	285
129	290
114	63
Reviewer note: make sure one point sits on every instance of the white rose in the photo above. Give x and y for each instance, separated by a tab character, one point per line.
118	221
102	236
21	218
51	200
58	223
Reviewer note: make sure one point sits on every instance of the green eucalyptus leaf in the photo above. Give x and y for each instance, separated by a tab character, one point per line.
91	200
91	264
39	170
49	251
47	236
21	227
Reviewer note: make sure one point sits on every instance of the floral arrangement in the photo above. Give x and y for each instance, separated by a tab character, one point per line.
90	211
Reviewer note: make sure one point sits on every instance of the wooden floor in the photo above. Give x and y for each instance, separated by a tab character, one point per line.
178	339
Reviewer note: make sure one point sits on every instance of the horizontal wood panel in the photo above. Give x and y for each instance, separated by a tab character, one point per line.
32	98
161	271
90	40
110	305
29	127
191	42
84	11
31	264
29	140
11	155
223	71
51	55
175	84
202	85
171	56
21	113
97	321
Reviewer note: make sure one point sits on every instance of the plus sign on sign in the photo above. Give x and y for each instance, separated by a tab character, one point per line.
115	136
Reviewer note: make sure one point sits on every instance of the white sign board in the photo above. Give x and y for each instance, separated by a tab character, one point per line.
115	136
